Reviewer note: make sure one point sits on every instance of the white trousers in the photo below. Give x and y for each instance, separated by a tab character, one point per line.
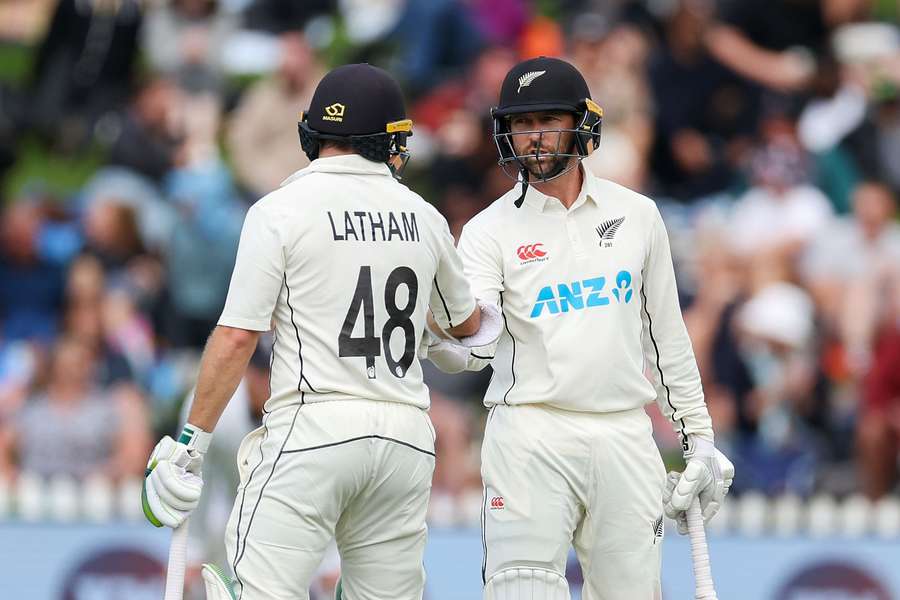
554	479
356	471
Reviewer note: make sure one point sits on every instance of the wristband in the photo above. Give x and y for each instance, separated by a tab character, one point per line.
194	437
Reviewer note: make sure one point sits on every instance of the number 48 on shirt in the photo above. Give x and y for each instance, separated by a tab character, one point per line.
369	345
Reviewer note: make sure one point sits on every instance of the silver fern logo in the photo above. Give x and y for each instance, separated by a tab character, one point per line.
658	528
607	231
526	79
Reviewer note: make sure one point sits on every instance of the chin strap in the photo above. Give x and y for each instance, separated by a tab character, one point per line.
521	199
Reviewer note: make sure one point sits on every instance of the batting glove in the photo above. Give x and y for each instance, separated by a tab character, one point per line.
707	476
445	355
218	585
173	481
491	326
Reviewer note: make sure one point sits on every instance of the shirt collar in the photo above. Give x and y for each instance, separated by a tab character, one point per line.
352	164
589	192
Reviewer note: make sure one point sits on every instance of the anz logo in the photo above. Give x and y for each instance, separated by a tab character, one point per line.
579	295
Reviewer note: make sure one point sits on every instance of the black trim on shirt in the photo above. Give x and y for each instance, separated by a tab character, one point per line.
512	366
299	344
482	357
484	547
444	302
662	379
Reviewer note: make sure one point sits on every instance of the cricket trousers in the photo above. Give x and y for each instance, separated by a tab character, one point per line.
555	478
356	471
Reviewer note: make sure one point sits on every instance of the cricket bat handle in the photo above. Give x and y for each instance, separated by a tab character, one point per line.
177	562
703	581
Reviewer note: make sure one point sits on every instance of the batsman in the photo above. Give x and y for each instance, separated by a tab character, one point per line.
593	331
345	262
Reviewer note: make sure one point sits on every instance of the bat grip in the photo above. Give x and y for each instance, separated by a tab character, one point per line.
703	582
177	562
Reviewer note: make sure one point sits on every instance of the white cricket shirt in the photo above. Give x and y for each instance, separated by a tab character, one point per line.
590	304
344	261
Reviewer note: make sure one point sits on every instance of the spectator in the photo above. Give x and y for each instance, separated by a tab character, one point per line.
775	219
453	116
261	125
613	59
698	136
184	39
277	16
777	46
83	68
440	40
73	428
775	333
210	220
83	320
878	430
31	287
112	235
145	139
846	266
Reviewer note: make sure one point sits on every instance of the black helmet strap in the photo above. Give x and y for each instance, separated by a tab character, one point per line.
521	199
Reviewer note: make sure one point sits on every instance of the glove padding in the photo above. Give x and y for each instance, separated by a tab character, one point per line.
446	355
218	585
491	326
707	476
172	483
680	518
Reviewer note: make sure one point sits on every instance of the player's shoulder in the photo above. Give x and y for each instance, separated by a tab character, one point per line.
494	214
619	194
275	202
406	200
620	197
419	203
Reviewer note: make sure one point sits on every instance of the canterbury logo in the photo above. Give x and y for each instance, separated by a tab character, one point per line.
526	79
335	112
530	251
607	230
497	503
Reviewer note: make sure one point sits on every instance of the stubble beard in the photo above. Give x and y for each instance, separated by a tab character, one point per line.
548	165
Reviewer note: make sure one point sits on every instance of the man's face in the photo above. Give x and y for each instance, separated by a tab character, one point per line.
537	134
873	207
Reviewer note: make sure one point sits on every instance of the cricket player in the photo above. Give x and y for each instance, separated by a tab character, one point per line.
583	272
345	261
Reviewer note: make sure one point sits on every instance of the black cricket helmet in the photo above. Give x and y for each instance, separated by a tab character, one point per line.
360	105
546	84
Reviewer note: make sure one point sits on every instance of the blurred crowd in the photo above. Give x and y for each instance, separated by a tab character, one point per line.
768	132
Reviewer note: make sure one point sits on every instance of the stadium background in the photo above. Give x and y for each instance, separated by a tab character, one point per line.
135	134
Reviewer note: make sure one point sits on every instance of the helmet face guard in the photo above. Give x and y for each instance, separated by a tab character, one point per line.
383	147
585	139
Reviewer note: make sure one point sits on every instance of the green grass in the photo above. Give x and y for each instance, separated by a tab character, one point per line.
37	166
15	63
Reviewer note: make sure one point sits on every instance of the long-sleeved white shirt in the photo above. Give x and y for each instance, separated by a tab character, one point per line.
589	302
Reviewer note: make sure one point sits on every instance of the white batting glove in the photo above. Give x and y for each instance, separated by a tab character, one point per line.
680	518
218	585
173	481
446	355
491	326
707	476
